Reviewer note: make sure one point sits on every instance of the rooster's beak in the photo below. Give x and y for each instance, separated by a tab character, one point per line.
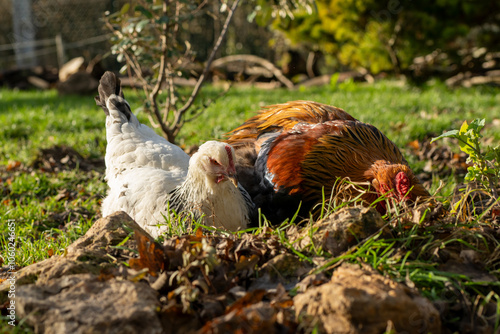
233	179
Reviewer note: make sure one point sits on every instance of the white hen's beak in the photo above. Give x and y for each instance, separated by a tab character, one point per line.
233	179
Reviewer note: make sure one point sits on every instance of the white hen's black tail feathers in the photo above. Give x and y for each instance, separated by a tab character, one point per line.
110	85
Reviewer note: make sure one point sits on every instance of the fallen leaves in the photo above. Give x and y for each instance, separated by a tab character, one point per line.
59	158
151	254
248	299
441	159
13	165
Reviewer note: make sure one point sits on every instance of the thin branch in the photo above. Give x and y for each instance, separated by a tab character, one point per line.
163	58
170	98
152	121
138	72
310	64
392	42
257	60
136	67
128	59
161	75
209	61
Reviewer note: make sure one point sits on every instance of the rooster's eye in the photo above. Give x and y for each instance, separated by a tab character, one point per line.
214	162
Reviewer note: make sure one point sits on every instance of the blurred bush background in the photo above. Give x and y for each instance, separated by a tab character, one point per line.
455	40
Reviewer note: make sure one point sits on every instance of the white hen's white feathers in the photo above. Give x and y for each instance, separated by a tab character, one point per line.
132	144
223	204
144	172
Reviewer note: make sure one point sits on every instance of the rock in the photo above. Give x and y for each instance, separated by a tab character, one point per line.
286	266
285	269
38	82
85	290
363	301
83	304
340	230
71	67
78	83
89	254
257	311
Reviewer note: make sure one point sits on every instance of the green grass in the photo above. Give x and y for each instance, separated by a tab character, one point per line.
404	113
31	120
53	209
46	221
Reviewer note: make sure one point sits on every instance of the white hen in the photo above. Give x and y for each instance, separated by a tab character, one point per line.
147	174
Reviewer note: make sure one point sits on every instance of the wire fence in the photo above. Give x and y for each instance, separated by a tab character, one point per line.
50	32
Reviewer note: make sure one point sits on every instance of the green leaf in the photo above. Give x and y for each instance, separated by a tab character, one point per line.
466	145
264	16
334	79
144	11
163	19
477	124
464	128
468	177
129	29
125	9
251	16
448	134
140	26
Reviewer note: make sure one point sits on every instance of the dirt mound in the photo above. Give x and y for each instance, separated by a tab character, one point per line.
59	158
204	284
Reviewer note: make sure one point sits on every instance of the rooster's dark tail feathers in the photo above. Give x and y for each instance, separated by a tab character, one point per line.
108	85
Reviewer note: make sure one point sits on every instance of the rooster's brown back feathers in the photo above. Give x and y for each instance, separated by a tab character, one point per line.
294	151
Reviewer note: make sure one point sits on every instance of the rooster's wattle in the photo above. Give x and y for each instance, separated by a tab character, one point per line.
298	150
147	175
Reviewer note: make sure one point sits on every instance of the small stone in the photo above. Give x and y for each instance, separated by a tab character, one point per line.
341	230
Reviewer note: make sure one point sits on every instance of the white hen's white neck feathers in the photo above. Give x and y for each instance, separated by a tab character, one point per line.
220	202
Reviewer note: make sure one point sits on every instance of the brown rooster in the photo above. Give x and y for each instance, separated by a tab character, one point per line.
298	150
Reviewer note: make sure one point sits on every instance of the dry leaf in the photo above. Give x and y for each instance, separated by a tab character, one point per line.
104	276
250	298
199	233
13	165
151	255
414	145
246	263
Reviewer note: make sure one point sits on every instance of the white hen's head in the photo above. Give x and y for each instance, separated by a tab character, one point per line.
215	160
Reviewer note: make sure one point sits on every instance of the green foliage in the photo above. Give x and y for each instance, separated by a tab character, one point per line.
265	10
388	35
485	162
138	28
153	38
149	38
